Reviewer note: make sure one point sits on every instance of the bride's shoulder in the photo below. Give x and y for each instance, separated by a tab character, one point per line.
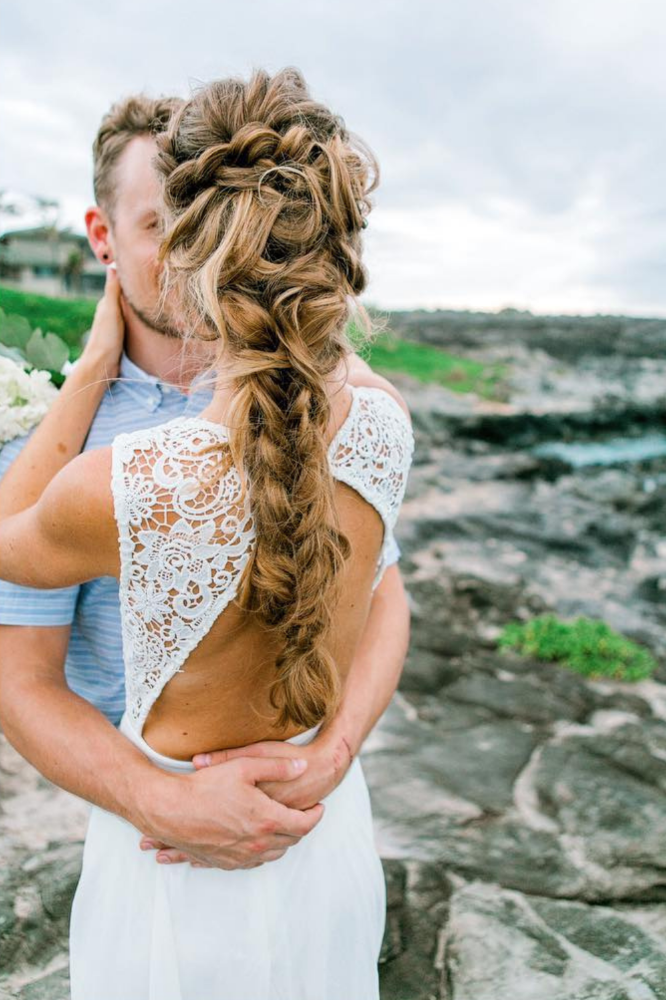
88	475
360	374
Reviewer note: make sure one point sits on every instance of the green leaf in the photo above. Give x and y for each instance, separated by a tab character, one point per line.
15	331
46	351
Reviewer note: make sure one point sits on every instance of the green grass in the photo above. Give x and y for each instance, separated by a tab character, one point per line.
69	318
387	354
588	646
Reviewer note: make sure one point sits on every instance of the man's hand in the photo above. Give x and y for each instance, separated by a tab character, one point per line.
328	760
227	815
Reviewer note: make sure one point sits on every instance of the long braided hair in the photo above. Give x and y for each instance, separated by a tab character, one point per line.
266	194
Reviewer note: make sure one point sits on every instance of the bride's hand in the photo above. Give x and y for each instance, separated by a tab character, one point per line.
105	343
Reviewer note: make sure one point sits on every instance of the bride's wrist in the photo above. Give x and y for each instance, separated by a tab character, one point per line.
338	750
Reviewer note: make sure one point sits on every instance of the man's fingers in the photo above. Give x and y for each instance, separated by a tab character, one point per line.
166	855
172	857
209	759
297	822
273	768
272	855
146	844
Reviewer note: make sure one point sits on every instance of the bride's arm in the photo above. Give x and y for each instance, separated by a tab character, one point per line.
68	535
51	496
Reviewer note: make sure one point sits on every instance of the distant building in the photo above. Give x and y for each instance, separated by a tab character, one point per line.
50	262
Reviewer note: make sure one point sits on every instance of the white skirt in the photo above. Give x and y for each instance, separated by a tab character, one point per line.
308	926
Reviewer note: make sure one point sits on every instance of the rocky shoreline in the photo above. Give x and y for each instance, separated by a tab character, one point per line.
520	809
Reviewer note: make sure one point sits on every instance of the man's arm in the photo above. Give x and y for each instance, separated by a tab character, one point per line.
224	820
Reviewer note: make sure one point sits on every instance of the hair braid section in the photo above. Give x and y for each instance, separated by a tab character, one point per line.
266	194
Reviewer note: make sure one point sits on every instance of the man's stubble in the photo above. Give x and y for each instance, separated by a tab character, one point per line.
154	319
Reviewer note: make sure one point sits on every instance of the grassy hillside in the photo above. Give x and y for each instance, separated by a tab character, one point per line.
70	318
388	354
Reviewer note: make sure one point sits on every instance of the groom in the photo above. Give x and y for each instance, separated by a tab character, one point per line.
61	663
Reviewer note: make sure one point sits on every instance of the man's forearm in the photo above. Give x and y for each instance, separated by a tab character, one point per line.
66	738
377	665
221	818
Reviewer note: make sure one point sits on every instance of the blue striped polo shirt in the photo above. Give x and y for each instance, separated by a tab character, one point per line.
94	666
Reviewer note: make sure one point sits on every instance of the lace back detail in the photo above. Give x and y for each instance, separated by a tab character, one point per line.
183	550
184	546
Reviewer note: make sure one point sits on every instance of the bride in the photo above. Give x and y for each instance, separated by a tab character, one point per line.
247	541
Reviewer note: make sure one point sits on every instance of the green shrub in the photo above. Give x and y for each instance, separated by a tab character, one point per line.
68	318
24	345
586	645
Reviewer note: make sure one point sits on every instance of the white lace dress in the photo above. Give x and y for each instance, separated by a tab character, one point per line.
308	926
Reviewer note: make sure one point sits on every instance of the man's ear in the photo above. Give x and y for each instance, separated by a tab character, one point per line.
98	228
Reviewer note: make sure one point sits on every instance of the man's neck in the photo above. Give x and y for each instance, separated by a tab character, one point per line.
160	355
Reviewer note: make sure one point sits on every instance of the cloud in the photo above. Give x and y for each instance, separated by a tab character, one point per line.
521	145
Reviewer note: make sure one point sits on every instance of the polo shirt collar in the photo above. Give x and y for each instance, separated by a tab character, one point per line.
146	389
141	386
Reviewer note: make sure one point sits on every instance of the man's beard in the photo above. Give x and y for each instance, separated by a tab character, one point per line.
154	322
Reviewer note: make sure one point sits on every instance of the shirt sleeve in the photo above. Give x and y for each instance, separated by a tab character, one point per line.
27	605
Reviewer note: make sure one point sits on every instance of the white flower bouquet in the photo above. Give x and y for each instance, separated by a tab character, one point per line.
25	398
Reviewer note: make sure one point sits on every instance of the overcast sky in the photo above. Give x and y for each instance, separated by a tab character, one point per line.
521	142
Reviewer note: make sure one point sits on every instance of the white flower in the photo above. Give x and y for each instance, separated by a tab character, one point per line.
69	367
25	398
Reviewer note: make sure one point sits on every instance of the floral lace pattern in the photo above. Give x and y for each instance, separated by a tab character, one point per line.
372	452
184	546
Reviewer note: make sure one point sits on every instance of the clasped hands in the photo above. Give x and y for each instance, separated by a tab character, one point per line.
245	806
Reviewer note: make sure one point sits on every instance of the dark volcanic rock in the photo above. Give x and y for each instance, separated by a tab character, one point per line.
502	945
417	897
514	698
565	337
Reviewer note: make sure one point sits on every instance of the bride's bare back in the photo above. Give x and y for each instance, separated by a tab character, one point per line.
219	697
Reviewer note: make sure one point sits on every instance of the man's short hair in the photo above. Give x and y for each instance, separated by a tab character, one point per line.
132	116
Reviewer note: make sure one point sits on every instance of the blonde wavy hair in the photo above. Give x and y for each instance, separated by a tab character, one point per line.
266	195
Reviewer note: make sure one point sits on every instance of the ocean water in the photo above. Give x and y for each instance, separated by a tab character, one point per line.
609	452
